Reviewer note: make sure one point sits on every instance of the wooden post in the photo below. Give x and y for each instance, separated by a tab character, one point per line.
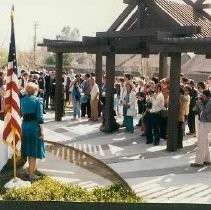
163	66
174	102
59	87
109	102
99	70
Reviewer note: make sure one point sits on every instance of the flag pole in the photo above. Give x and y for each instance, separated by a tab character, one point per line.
14	160
14	145
12	121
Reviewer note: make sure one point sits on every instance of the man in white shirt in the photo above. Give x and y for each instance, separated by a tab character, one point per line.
157	100
94	100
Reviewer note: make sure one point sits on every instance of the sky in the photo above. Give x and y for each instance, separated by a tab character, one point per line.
89	16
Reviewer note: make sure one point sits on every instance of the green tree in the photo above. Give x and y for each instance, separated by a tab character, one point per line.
26	59
69	34
50	59
68	58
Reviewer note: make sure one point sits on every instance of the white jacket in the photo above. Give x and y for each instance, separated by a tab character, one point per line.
132	100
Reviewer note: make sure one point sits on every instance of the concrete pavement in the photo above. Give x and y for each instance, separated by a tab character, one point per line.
151	171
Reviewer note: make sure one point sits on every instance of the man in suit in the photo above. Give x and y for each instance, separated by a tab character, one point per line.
41	84
47	90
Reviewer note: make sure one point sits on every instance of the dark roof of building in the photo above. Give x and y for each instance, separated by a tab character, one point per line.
179	13
197	64
186	15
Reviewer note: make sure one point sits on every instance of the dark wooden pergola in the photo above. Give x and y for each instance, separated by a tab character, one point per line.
145	27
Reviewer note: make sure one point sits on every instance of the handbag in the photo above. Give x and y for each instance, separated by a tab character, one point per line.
83	99
131	112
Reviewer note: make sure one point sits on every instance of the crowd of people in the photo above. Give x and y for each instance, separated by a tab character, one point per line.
152	97
145	98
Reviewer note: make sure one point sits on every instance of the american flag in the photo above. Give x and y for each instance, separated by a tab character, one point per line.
12	121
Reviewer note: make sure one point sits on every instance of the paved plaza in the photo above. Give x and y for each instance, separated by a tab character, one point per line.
151	171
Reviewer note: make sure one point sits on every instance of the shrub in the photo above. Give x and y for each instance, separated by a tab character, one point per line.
42	190
77	193
116	193
51	190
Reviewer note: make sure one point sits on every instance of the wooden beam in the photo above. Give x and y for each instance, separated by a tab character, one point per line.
121	17
140	11
191	47
131	21
123	45
181	30
188	40
145	55
94	41
109	103
90	50
162	35
150	32
47	42
133	2
199	5
89	45
127	45
59	88
199	2
189	2
124	34
133	51
208	56
205	6
173	110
